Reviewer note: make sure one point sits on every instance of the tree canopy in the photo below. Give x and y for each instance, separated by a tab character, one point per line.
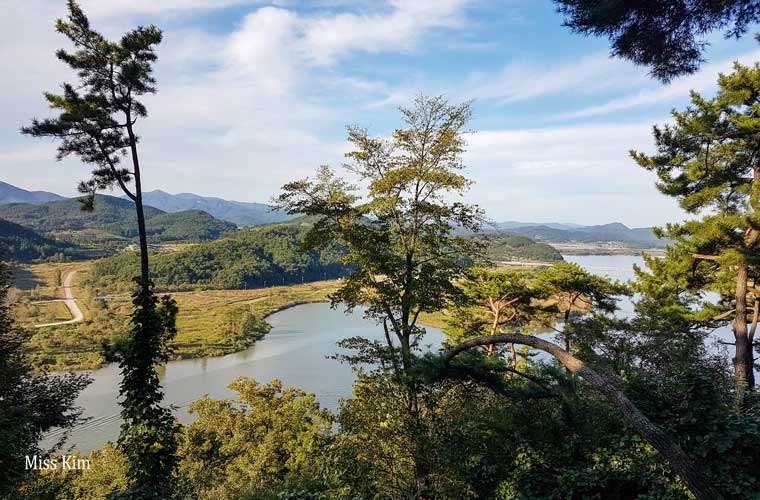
668	36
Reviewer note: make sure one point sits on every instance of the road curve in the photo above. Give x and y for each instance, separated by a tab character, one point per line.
76	313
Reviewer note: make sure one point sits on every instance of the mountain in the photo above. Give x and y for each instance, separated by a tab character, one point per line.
23	244
13	194
115	218
251	257
241	213
615	232
512	224
508	247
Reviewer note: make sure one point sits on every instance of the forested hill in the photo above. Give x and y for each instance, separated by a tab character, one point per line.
254	257
241	213
508	247
642	237
22	244
115	217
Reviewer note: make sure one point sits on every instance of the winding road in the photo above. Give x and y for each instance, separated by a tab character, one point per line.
76	313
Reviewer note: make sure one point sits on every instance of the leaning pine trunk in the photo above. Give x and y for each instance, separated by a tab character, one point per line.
656	437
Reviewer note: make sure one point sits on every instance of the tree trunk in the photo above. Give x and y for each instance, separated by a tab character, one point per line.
659	440
743	354
143	236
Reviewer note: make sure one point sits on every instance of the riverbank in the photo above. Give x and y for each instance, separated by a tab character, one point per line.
206	322
604	249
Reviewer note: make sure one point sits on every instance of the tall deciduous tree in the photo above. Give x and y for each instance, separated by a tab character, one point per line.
97	123
669	36
709	160
30	404
400	237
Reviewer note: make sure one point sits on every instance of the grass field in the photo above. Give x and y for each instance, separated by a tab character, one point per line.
202	322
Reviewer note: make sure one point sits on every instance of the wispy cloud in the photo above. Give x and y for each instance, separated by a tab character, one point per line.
520	81
702	81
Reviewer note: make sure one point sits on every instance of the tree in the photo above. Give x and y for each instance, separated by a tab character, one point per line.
708	161
573	287
98	116
273	439
493	300
97	123
400	238
30	404
669	36
656	437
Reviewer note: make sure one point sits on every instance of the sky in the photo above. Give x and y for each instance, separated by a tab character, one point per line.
252	95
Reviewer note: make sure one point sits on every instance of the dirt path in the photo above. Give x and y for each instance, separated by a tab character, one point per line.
71	303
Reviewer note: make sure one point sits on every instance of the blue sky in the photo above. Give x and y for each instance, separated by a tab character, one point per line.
253	95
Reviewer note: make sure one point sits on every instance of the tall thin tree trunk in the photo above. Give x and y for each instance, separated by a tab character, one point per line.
142	233
743	355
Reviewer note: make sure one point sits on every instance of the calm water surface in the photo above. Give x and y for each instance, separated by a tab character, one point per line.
296	351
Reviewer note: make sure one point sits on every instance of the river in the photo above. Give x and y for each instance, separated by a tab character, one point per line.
297	351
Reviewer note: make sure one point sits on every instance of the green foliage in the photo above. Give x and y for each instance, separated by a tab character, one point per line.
30	403
477	444
399	238
707	161
572	287
148	430
22	244
98	114
493	302
668	36
270	439
506	247
116	219
251	258
244	327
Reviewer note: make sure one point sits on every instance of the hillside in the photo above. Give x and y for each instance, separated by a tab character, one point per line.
22	244
14	194
507	247
250	258
241	213
115	217
615	232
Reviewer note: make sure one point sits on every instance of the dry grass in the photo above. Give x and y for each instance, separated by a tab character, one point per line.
200	321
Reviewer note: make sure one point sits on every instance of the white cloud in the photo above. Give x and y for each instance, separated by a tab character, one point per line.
520	81
702	81
326	39
576	173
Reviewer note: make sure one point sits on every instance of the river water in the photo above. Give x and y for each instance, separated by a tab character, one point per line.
297	351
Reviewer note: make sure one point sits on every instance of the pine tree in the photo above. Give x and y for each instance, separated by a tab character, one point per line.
97	123
709	160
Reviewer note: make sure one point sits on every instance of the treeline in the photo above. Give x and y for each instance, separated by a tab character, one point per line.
505	247
251	258
19	243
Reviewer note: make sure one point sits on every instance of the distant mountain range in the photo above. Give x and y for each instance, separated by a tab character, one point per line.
244	214
642	237
13	194
114	218
241	213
